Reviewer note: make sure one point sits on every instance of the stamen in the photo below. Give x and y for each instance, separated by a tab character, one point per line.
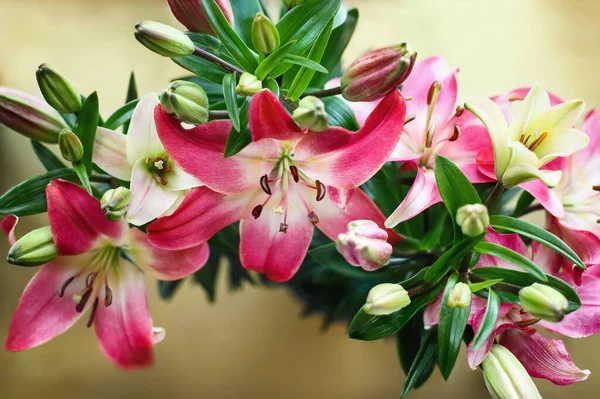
536	143
314	219
596	188
108	295
321	190
283	228
82	299
159	164
89	280
409	119
527	323
63	287
522	139
430	133
432	96
93	313
456	133
264	184
257	211
434	91
148	161
159	178
459	110
294	171
280	210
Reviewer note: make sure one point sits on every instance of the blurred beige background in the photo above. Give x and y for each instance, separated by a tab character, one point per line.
254	344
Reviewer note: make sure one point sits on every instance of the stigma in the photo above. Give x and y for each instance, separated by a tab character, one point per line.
159	167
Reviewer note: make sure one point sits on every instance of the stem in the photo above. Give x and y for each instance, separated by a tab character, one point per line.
421	289
334	91
495	194
218	61
501	286
212	115
287	102
532	208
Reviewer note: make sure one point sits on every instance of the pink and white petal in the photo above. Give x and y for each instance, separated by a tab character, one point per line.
180	198
584	243
41	314
178	180
592	128
520	94
485	163
422	195
124	329
76	218
431	316
110	153
546	196
475	357
9	226
361	110
548	260
198	218
199	152
340	197
167	265
510	241
158	335
149	198
142	138
345	159
269	120
543	357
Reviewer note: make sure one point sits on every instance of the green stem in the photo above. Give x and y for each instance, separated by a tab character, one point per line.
334	91
501	286
217	61
497	191
212	115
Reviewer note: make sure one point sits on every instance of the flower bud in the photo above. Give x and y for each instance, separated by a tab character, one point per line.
248	85
30	116
164	40
292	3
114	203
384	299
460	296
57	90
191	14
505	377
365	245
473	219
70	146
377	73
34	248
311	114
544	302
187	101
265	36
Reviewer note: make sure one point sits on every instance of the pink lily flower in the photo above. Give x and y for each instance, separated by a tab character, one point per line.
158	185
100	270
282	185
542	357
439	128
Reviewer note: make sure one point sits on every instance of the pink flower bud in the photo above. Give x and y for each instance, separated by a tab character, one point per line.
377	73
191	14
365	245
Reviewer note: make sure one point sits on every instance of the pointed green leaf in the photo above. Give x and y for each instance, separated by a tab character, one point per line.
424	361
484	284
340	113
122	116
513	257
305	62
85	129
273	60
237	141
244	12
229	84
489	320
47	158
450	259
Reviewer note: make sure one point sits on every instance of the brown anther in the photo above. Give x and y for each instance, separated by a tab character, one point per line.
314	219
283	228
89	280
63	287
522	138
596	187
167	169
148	161
84	299
165	159
598	221
430	134
459	110
159	178
526	323
321	190
294	172
437	85
257	211
93	313
264	184
455	134
536	143
407	98
409	119
108	296
515	98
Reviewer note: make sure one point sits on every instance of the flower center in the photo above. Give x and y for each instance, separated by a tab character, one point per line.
159	167
533	140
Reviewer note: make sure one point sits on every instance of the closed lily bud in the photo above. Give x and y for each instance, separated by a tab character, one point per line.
460	296
114	203
377	73
191	14
473	219
30	116
505	377
311	114
187	101
248	85
70	146
265	36
364	245
292	3
163	39
57	90
33	249
544	302
385	299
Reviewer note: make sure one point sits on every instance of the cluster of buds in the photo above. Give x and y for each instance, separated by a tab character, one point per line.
187	101
460	296
191	14
505	377
57	90
164	40
473	219
385	299
311	114
34	248
365	245
265	36
544	302
70	146
248	85
115	202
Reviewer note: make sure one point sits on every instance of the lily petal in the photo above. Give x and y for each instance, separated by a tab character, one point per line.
9	226
475	357
562	146
268	119
340	197
524	166
179	180
584	243
110	153
535	103
142	138
547	197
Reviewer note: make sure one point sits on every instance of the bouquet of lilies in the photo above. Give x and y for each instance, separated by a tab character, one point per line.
416	200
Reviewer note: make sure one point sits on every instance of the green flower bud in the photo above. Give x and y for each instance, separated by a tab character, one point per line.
265	36
311	114
187	101
164	40
460	296
384	299
57	90
114	203
33	249
544	302
292	3
248	85
70	146
505	377
473	219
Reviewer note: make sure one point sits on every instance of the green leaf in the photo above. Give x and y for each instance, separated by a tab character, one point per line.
538	234
525	199
230	40
132	94
340	113
229	84
272	61
237	141
452	325
244	12
29	197
166	289
368	327
85	129
272	85
122	116
47	158
330	258
522	279
450	259
424	361
513	257
489	320
484	284
305	62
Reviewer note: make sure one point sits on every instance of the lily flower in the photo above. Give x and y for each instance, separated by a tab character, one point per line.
158	185
282	185
537	135
439	128
99	270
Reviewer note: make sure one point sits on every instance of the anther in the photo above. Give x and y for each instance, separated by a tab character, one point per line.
89	280
433	92
159	178
321	190
63	287
82	300
459	110
314	219
294	172
148	161
430	133
536	143
93	313
283	228
409	119
456	133
264	184
108	296
527	323
257	211
596	188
